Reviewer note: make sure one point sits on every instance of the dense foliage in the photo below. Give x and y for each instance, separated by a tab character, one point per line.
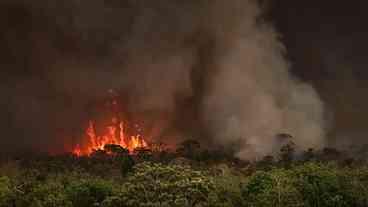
165	185
114	178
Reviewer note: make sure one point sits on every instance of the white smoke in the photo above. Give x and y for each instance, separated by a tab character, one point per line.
252	96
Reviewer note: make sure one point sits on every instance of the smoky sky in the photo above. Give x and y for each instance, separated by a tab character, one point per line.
220	72
327	45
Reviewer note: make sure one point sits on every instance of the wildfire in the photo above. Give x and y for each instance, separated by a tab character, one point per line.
114	133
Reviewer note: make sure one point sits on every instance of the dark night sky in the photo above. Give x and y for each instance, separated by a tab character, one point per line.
311	27
326	43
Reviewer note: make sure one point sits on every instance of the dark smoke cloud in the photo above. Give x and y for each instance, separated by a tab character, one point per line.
188	68
327	45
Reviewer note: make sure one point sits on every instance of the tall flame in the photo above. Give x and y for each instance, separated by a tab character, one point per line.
114	133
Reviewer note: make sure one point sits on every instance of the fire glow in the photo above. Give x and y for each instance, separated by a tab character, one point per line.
114	133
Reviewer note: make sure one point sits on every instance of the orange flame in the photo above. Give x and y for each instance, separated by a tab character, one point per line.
114	135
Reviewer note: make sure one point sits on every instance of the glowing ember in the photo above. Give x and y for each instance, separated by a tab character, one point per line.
114	134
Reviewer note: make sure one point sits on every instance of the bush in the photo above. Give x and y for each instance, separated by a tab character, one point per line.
171	186
5	191
355	182
320	185
49	194
307	184
273	188
127	164
89	192
310	185
228	187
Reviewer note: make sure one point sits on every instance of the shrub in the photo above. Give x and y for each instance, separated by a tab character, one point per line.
165	185
228	187
320	185
273	188
354	182
127	163
89	192
5	191
49	194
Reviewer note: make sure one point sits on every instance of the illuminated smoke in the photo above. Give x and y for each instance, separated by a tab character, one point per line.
187	67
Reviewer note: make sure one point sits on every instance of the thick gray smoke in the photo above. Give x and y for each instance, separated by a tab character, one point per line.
213	65
252	96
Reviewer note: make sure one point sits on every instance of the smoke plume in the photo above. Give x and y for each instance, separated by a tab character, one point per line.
188	68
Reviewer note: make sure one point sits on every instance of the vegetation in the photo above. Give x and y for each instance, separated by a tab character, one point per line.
189	177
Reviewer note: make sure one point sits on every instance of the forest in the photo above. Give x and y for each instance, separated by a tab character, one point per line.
189	176
94	82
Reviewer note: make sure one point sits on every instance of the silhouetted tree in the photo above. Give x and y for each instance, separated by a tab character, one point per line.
115	149
143	154
127	163
330	154
308	155
266	163
287	152
189	148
